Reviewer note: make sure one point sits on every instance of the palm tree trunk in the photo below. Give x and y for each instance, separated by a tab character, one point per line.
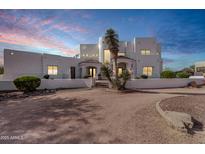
116	68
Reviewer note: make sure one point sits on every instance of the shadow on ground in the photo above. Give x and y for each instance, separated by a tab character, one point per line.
47	120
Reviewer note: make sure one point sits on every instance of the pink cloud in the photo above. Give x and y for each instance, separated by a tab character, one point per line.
30	32
39	41
47	21
68	28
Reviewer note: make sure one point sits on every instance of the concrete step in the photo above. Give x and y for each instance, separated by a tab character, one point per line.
102	83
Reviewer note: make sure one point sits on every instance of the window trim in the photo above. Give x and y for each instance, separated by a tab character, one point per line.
52	69
147	72
147	52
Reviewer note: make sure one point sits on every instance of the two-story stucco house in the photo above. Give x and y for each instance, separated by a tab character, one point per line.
140	56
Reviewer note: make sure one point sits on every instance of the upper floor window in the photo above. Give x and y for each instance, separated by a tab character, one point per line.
145	52
106	56
52	70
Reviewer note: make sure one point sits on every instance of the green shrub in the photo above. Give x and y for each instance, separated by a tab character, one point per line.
27	83
182	75
168	74
143	76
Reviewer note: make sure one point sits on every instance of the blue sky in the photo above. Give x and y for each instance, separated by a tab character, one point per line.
180	32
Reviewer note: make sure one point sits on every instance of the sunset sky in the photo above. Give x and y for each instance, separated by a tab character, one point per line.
180	32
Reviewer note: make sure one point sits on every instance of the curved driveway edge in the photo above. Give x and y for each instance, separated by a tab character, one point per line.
177	120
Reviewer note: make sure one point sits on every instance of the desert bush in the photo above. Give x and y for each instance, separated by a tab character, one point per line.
117	83
143	76
182	75
125	76
1	70
168	74
27	83
107	72
46	76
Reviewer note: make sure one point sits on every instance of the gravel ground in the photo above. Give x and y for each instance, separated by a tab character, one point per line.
193	105
88	116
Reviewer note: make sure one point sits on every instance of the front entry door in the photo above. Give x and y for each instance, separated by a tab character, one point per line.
72	72
92	72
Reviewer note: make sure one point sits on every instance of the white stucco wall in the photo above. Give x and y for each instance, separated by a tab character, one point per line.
65	83
18	63
52	84
160	83
64	64
132	49
154	60
89	51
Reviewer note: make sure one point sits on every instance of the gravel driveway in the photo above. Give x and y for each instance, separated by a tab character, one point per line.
88	116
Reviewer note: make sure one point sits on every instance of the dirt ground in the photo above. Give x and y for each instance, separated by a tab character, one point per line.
88	116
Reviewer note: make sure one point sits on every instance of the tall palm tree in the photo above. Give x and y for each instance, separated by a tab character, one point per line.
112	41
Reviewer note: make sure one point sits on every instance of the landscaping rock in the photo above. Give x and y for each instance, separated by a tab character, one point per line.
177	120
181	121
193	84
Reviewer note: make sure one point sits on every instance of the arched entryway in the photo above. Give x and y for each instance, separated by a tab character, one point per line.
91	71
90	68
121	68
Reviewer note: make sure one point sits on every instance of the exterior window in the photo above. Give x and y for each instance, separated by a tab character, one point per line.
86	55
92	72
52	70
119	71
145	52
106	56
121	54
147	71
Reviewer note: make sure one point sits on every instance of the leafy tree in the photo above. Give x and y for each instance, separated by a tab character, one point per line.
192	67
182	75
112	41
168	74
